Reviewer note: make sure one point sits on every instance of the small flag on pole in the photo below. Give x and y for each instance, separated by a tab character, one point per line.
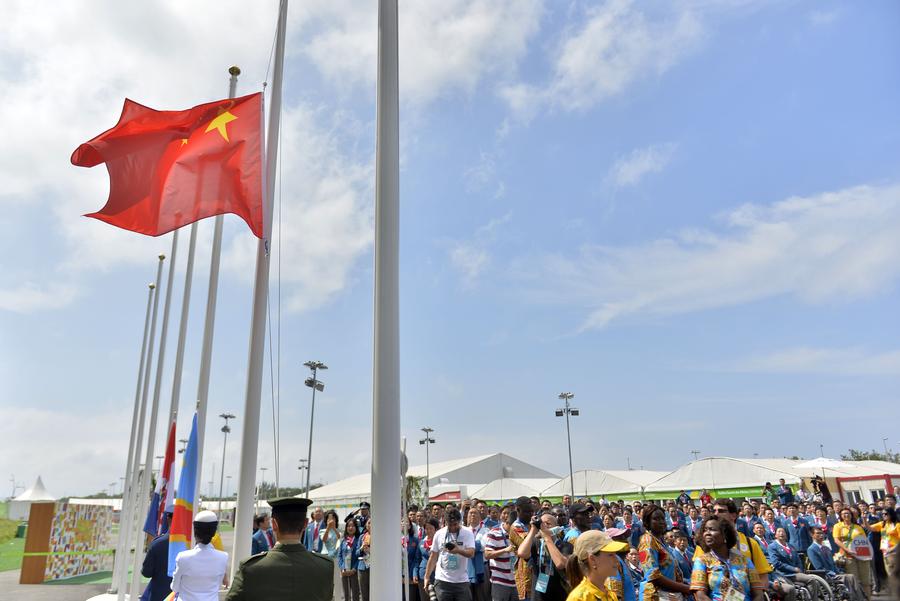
155	524
172	168
183	515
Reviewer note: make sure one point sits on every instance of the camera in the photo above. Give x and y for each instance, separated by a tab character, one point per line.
536	521
432	594
450	545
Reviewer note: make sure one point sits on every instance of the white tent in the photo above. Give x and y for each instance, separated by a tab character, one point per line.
463	475
597	483
722	475
20	507
508	489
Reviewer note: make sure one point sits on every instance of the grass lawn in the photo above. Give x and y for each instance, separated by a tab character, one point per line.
4	507
11	554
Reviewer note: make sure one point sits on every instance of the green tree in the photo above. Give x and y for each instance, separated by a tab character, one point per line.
873	455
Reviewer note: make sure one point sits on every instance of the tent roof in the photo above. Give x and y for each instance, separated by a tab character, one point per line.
860	468
721	473
474	470
36	493
604	482
503	489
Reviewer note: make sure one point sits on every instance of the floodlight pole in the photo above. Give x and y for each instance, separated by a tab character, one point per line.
225	430
427	441
568	410
315	384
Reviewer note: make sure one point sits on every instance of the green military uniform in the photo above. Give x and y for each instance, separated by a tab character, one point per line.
284	572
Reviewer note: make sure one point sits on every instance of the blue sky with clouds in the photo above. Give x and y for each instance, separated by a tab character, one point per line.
685	213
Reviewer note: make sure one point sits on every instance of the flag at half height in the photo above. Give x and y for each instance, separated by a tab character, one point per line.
171	168
183	515
155	523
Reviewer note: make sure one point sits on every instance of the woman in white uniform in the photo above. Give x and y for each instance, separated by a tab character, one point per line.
200	572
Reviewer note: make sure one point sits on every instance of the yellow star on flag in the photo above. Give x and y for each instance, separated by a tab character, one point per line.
220	122
184	141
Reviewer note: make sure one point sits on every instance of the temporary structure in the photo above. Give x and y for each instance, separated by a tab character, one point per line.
620	484
453	480
20	506
509	489
721	476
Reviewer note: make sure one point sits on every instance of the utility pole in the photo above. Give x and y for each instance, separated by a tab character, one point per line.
696	455
225	430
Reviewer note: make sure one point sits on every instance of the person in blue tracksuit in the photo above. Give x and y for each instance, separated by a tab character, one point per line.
348	560
786	562
413	559
821	559
797	528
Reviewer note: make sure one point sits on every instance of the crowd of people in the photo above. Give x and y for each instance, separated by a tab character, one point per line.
784	545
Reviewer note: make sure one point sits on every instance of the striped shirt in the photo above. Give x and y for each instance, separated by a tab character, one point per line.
502	565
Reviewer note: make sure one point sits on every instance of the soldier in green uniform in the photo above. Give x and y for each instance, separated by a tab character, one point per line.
287	571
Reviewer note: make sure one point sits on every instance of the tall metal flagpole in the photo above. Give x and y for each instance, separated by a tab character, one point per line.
122	543
144	487
182	327
133	498
386	477
209	327
250	431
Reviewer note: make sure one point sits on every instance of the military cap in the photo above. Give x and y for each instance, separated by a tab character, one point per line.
364	505
289	504
205	517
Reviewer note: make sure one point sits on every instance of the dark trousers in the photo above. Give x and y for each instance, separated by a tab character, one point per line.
363	584
350	584
504	593
453	591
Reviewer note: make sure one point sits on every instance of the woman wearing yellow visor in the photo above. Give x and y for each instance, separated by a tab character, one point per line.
593	560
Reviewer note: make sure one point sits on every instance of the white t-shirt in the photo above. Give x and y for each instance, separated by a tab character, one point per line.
452	567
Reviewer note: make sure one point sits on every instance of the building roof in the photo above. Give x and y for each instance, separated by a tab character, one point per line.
506	489
472	471
603	482
720	473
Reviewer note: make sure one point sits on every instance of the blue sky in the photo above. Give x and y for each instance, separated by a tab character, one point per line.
685	213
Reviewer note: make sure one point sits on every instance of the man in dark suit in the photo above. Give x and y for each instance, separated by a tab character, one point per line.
156	568
263	538
821	559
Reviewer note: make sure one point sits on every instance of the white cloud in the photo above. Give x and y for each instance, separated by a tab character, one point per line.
447	45
471	257
617	45
29	297
829	247
821	18
630	170
810	360
327	222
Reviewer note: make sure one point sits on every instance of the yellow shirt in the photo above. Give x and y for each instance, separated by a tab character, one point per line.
588	591
844	534
890	534
753	552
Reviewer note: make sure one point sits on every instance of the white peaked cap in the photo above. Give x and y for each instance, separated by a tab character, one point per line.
205	517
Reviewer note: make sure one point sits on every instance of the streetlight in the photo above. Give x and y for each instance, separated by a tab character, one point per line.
427	441
567	411
884	442
696	455
315	384
159	465
183	442
225	431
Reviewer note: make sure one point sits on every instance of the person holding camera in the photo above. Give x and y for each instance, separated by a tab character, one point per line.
451	550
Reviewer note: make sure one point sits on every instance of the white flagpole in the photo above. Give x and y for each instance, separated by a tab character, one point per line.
144	486
209	327
182	327
122	544
250	430
135	466
386	477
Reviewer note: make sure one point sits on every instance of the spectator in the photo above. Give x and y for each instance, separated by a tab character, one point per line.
797	529
771	524
684	498
681	554
520	529
475	568
311	534
768	493
803	495
451	551
593	561
348	560
846	535
661	574
566	501
330	537
693	521
784	492
493	519
705	497
501	554
263	537
721	565
890	548
759	535
365	557
431	526
581	521
549	555
633	561
820	557
786	561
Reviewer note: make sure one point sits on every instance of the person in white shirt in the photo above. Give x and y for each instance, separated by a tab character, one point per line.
200	572
451	550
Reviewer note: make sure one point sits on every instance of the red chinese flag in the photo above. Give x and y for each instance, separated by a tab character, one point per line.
171	168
